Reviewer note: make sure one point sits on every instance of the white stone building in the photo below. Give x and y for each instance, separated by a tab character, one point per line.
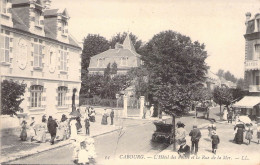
37	49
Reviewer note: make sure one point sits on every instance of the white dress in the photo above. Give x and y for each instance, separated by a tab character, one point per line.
73	129
225	114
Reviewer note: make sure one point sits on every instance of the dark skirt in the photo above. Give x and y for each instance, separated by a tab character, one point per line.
214	146
239	136
258	135
23	135
92	118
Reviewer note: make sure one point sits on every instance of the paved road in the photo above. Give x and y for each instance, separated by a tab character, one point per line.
135	140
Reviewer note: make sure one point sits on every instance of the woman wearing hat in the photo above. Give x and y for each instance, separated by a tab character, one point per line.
239	132
180	132
42	129
62	129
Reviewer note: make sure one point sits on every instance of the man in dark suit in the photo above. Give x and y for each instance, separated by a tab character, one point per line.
195	137
52	128
112	114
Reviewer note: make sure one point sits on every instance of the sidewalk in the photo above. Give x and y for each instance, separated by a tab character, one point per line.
12	148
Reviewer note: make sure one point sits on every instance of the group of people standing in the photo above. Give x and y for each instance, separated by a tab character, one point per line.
241	128
37	131
184	150
105	115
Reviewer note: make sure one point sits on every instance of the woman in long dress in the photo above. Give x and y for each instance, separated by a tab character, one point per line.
32	131
225	113
73	129
239	136
41	131
23	134
104	118
62	128
92	114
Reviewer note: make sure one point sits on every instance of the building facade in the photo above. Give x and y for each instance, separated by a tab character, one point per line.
252	52
124	55
37	49
250	105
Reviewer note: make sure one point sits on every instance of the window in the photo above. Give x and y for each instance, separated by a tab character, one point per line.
257	80
124	61
63	60
36	95
37	18
3	6
101	62
37	54
62	96
63	27
257	51
4	48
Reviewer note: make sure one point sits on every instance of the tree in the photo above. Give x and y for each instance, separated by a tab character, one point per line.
220	73
93	45
176	66
222	96
120	37
241	83
11	93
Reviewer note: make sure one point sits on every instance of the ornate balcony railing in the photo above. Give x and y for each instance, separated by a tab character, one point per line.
252	65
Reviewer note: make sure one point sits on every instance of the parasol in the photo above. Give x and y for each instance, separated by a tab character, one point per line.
75	114
245	119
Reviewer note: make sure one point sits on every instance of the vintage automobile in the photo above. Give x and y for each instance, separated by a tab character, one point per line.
163	132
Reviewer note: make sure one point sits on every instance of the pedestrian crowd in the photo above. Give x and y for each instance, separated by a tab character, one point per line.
63	129
185	150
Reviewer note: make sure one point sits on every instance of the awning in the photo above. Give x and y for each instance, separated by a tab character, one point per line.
247	102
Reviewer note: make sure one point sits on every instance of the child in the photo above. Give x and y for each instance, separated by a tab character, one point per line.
215	141
87	125
86	150
211	127
258	132
249	132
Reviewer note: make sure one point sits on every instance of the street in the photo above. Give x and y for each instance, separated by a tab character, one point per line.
135	140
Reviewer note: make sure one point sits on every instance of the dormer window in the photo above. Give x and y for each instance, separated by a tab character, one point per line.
3	6
64	29
124	61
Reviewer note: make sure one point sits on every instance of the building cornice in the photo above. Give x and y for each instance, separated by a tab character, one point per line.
28	34
34	78
252	36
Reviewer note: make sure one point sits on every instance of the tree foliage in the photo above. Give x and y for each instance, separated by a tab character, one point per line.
222	96
93	45
176	67
227	75
11	93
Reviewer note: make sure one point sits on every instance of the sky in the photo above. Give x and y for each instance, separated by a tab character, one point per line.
219	24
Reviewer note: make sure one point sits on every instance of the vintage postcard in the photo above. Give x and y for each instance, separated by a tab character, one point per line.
130	82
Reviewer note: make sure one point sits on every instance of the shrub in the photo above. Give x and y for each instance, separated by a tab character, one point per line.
11	93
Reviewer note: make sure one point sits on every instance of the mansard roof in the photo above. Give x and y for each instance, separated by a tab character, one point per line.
19	24
125	50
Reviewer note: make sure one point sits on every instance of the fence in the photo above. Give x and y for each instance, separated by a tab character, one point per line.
96	101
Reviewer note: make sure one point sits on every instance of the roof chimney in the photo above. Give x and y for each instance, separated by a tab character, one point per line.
47	4
248	16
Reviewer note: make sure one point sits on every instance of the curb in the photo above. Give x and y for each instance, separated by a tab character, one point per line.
57	146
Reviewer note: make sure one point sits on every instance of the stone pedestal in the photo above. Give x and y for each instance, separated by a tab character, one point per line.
125	107
141	106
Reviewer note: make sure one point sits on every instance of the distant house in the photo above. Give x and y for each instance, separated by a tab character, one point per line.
124	55
212	80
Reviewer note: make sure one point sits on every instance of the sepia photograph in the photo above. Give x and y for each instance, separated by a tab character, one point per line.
117	82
